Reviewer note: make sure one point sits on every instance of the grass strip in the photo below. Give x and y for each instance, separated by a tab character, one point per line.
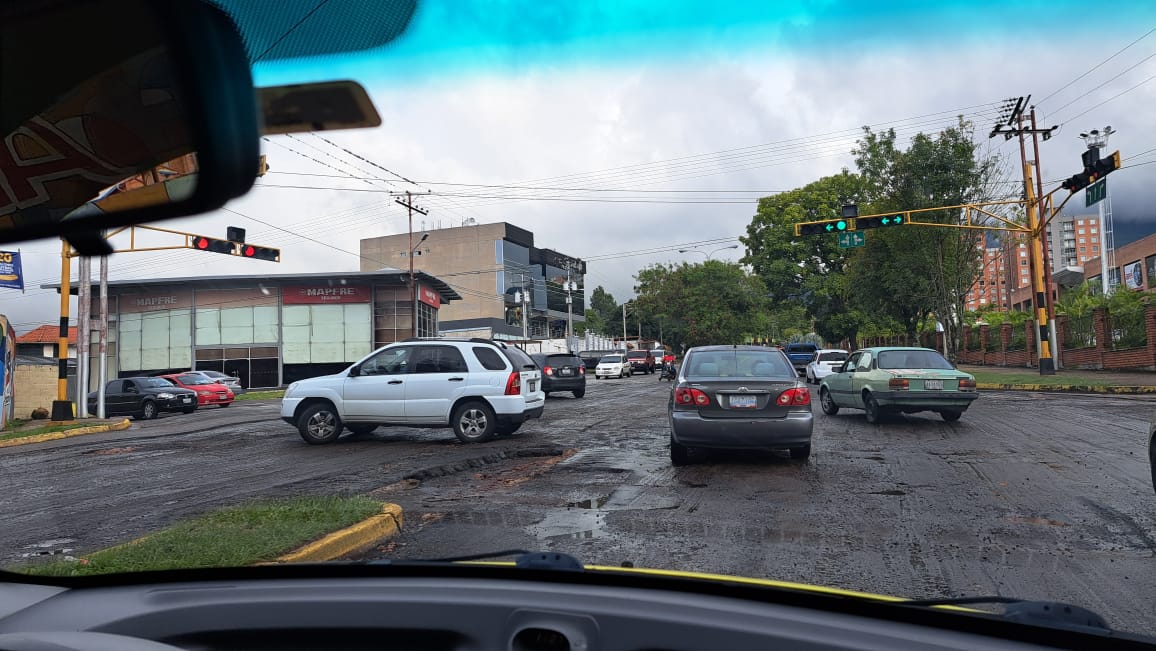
1035	378
231	537
8	435
261	395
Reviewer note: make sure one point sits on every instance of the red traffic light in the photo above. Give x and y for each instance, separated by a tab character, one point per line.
201	243
249	251
261	253
212	245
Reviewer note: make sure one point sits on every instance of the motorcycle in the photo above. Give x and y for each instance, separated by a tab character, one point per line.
669	372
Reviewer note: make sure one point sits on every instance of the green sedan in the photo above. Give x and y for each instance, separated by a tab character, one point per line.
898	379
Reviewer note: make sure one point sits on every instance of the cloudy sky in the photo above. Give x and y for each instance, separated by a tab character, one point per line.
622	131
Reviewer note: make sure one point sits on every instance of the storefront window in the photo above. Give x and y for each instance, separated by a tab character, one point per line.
427	321
319	334
157	340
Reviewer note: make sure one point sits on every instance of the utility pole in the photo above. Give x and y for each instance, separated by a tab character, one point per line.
62	408
83	318
570	287
524	299
408	203
624	324
1097	140
103	366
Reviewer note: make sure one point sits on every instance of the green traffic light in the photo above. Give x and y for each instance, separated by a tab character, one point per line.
841	225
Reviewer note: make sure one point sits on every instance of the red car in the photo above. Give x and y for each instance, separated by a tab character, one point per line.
208	392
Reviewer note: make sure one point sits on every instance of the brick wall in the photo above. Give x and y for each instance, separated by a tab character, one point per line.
35	386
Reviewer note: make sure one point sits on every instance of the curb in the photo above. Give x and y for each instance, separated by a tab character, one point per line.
386	524
1069	388
78	431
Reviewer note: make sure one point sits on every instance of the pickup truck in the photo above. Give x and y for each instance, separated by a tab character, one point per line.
800	354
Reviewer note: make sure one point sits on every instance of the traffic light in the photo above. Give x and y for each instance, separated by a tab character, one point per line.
823	227
213	245
1095	168
880	221
260	253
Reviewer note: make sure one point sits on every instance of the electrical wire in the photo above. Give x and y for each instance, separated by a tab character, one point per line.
1096	67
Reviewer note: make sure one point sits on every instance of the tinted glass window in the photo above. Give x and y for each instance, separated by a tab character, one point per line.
156	383
519	358
612	359
489	358
801	348
450	360
739	363
562	360
913	359
193	379
391	361
832	357
638	354
437	359
114	387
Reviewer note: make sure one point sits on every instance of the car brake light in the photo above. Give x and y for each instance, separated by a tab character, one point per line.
898	384
685	396
514	384
548	371
966	383
582	370
796	396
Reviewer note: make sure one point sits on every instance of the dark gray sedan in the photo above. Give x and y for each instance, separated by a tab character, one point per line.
738	397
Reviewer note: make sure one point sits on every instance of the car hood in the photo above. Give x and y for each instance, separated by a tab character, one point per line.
152	391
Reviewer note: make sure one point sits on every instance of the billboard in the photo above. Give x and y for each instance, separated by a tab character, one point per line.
1133	275
7	372
11	273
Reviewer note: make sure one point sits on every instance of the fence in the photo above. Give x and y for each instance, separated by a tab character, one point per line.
1128	330
1081	332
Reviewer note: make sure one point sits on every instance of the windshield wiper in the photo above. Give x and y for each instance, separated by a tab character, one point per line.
1053	614
525	559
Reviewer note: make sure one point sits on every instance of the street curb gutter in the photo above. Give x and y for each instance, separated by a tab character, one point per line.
382	526
1068	388
79	431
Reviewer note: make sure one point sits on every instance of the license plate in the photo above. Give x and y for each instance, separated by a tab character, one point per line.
186	399
933	385
743	402
567	371
533	385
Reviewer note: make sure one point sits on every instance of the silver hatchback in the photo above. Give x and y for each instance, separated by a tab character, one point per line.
738	397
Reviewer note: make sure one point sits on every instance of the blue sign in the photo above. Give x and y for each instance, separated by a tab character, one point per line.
11	274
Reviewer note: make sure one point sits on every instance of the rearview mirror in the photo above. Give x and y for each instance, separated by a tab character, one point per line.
117	112
355	370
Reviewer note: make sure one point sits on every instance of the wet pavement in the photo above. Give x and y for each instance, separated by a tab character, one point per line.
1029	495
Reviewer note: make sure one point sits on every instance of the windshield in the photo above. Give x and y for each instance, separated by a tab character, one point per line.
895	359
919	183
194	379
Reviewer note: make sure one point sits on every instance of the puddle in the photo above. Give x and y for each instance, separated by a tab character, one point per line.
579	524
54	547
592	503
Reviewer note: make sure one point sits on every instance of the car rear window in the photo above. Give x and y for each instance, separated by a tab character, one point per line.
563	360
637	354
739	363
801	348
519	359
612	359
489	358
895	359
832	357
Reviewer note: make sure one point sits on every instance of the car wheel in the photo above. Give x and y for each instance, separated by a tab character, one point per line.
578	393
872	408
148	410
474	422
545	394
801	453
827	402
361	429
950	415
679	454
319	424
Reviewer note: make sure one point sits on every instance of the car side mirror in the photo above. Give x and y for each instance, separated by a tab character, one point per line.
355	370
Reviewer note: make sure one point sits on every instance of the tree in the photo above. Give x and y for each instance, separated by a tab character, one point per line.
710	303
808	271
914	271
603	312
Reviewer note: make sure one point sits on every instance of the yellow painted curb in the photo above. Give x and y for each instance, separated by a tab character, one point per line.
386	524
68	433
1076	388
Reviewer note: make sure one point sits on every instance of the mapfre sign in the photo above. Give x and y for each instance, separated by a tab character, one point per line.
315	294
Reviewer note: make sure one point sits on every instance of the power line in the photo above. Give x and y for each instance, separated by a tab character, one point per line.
1091	108
1121	74
1096	67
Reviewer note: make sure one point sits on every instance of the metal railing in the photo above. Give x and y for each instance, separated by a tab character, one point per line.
1081	332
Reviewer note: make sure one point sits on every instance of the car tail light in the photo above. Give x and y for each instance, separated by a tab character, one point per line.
898	384
514	384
796	396
548	371
685	396
966	383
582	370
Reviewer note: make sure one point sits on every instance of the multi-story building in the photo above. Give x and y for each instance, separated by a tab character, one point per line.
991	286
489	265
1072	240
1135	269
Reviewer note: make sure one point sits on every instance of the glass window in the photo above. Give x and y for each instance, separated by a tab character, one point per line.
518	357
1150	268
740	363
1023	263
437	359
913	359
864	363
489	358
832	356
192	379
427	320
611	359
391	361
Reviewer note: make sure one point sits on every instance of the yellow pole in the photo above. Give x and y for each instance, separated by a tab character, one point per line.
62	408
1039	285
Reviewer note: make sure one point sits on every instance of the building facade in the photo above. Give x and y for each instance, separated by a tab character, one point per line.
1135	267
1073	240
268	330
489	265
990	288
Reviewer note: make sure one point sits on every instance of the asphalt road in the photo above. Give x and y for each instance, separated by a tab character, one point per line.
1029	495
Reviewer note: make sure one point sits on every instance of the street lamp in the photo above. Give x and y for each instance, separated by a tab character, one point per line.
708	255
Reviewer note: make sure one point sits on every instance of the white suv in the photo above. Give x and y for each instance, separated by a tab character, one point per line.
478	387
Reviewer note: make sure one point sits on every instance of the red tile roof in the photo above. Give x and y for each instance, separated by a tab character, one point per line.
46	334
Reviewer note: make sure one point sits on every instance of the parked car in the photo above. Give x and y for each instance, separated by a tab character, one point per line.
898	379
824	362
738	397
591	357
613	366
641	361
143	398
800	354
561	372
478	387
658	354
230	381
208	392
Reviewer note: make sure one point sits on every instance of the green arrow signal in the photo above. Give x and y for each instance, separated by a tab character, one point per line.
828	227
886	221
898	219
